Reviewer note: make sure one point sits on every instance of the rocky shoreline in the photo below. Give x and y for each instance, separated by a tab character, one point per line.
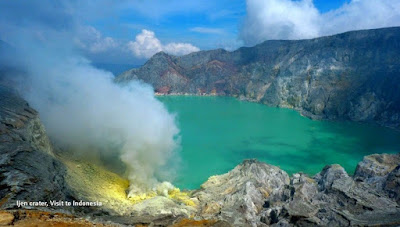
252	194
183	94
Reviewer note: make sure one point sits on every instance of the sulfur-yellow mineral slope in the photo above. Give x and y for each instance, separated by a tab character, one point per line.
94	182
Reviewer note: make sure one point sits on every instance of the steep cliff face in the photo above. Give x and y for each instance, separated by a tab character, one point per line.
28	169
353	76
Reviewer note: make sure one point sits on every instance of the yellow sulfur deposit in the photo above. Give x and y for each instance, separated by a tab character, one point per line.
165	189
141	197
182	197
95	183
92	182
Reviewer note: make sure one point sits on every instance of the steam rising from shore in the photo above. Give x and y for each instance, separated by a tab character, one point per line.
83	110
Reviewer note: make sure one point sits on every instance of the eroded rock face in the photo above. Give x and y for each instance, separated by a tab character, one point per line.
257	194
28	169
381	172
239	196
392	184
375	168
352	76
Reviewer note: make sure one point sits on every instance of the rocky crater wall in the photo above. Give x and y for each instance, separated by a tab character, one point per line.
350	76
29	170
252	194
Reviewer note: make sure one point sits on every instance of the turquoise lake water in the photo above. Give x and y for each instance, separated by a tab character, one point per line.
218	133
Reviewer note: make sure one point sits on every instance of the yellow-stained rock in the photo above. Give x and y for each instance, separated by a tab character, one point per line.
6	218
182	197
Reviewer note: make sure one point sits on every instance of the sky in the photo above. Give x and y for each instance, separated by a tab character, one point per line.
130	32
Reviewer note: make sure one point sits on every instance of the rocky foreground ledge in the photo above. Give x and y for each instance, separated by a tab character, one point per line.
258	194
252	194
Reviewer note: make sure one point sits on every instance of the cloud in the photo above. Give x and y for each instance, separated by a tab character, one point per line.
147	44
78	20
286	19
180	48
361	14
207	30
279	19
92	40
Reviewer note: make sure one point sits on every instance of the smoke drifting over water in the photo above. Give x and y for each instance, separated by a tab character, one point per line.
83	110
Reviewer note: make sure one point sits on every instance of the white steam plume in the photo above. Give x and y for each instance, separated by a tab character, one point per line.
83	109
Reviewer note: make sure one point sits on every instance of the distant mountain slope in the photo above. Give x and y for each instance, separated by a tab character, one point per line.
353	76
116	69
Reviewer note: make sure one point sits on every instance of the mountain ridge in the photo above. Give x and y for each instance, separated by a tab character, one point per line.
349	76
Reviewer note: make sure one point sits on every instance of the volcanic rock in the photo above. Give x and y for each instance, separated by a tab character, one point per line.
258	194
351	76
28	169
239	196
